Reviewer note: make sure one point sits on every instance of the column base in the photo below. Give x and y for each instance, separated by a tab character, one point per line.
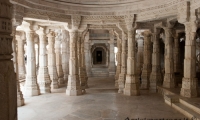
54	84
44	83
31	87
20	99
73	88
189	87
61	82
169	80
121	82
154	81
145	83
132	86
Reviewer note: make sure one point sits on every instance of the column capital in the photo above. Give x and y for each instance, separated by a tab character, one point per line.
29	26
51	34
75	23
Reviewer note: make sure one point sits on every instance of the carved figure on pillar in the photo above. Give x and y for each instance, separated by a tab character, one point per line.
52	61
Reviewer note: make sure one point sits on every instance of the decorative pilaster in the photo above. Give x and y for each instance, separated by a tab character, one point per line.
122	75
155	76
20	37
73	86
119	52
43	77
52	61
146	69
20	99
65	55
189	81
112	55
31	86
132	81
169	61
58	59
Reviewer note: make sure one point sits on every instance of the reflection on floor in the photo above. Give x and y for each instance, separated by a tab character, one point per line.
101	102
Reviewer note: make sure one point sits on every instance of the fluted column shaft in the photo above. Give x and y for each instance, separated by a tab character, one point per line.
132	81
73	87
59	61
146	69
43	77
189	81
52	61
31	86
155	76
65	55
119	52
169	61
122	75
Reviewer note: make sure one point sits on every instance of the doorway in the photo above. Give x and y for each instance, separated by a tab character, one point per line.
99	57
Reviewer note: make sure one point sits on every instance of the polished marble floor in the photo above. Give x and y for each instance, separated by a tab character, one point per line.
101	102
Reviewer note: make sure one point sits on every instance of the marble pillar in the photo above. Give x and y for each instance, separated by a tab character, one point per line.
20	99
65	54
43	77
31	87
59	59
8	88
119	52
132	81
190	82
122	75
155	76
87	55
52	61
20	55
140	55
146	69
169	81
112	55
73	86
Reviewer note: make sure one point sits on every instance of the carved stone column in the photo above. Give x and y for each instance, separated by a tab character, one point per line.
122	75
31	86
65	54
132	81
8	88
140	55
169	61
112	55
155	76
189	82
119	52
73	86
52	61
146	69
43	77
20	37
20	99
87	54
58	59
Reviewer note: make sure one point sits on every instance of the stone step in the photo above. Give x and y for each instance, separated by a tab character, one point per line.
190	106
186	111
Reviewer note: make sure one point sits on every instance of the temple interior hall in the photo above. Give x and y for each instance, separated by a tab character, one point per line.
99	59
